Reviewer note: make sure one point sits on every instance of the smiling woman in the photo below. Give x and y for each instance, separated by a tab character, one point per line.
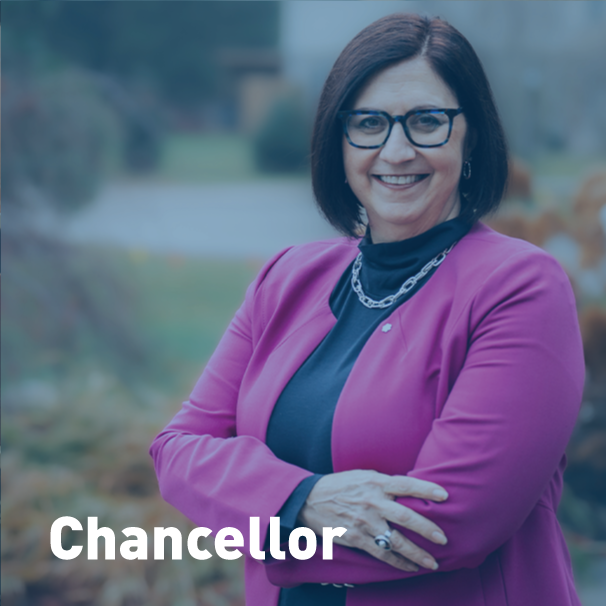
417	386
407	187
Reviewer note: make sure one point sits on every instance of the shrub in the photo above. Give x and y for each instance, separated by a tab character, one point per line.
282	143
60	137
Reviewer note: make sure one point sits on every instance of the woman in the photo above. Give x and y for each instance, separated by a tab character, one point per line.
360	376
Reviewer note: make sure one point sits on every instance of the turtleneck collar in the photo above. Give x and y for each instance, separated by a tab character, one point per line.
387	265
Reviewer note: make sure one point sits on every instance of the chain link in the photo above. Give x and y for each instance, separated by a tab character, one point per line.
406	287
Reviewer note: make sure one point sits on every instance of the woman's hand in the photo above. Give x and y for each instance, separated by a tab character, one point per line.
363	502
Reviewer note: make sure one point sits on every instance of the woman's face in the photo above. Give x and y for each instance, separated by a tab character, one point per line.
397	209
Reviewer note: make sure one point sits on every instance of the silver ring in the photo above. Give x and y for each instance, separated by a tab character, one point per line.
382	540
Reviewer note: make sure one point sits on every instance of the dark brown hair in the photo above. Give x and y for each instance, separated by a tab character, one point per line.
385	42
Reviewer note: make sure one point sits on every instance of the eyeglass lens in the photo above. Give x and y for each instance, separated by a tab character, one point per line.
368	130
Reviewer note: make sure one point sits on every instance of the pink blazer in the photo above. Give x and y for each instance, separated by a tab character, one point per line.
476	387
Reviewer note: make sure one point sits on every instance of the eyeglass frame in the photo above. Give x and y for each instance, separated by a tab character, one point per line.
344	114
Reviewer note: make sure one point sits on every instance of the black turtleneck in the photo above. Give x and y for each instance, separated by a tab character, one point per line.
300	426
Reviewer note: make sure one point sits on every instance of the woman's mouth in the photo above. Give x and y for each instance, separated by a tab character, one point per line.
400	179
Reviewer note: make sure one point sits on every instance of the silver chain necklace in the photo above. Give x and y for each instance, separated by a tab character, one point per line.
408	285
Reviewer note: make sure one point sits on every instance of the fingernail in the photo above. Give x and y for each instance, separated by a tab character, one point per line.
440	494
439	537
429	563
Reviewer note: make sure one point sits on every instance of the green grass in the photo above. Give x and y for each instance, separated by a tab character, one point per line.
207	158
212	158
185	305
173	309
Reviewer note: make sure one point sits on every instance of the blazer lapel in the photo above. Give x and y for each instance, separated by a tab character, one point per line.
276	370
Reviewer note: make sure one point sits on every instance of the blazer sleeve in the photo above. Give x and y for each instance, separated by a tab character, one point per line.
502	431
215	477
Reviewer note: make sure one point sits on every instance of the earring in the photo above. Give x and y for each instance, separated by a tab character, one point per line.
467	169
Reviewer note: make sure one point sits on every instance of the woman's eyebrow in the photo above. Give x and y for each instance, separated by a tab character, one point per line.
367	109
427	106
412	109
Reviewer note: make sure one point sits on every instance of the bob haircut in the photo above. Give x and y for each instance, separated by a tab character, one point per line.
390	40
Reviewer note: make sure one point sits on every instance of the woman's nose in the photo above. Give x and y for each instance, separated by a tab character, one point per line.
397	148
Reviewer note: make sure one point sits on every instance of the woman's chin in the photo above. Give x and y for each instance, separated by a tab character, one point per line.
394	230
404	223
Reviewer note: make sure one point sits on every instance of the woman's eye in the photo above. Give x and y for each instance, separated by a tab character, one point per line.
426	121
370	123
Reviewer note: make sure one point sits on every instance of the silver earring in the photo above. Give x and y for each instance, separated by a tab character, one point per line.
467	169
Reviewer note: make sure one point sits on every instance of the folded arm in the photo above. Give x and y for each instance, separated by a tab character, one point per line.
215	478
501	433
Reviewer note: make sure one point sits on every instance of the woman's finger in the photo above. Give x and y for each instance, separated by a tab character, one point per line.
367	543
403	516
392	558
409	551
405	486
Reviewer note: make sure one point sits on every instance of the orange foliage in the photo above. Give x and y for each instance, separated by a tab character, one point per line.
519	184
589	230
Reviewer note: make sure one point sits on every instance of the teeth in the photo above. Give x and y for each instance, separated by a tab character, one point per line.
403	180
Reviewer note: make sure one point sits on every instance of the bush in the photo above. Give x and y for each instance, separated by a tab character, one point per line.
63	306
282	143
60	137
86	455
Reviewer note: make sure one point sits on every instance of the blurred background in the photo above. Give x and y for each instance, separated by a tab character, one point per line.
154	155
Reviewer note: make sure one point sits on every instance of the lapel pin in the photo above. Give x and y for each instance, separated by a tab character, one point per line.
386	327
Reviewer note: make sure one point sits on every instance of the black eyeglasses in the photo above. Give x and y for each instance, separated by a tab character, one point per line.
369	129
